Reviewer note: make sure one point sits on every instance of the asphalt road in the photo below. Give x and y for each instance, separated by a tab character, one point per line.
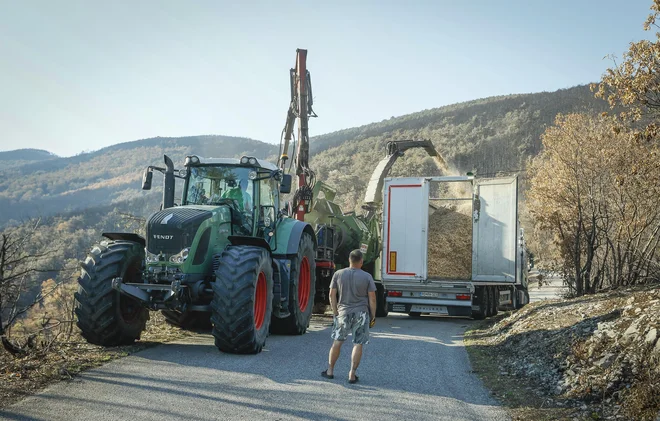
413	369
551	289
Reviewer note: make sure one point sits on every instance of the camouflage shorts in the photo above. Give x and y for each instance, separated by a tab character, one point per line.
356	323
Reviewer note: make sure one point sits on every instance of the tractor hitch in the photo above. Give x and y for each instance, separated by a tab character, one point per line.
148	295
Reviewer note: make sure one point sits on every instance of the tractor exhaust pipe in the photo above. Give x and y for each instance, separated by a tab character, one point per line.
168	188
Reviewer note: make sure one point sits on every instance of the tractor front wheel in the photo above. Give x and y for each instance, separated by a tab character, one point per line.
105	317
242	299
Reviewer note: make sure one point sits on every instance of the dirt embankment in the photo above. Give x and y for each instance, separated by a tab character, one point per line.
595	357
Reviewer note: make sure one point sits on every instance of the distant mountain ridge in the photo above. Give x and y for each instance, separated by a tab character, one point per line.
19	157
109	175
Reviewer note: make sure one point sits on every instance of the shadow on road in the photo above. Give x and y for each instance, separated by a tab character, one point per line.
409	365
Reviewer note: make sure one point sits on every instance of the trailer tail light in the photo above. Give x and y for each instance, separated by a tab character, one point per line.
394	294
464	297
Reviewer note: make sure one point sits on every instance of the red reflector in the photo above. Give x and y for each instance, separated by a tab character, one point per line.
463	296
394	293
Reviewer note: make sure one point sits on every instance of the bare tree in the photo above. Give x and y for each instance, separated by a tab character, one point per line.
20	259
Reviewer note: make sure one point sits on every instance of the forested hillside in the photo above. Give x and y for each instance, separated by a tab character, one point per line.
489	135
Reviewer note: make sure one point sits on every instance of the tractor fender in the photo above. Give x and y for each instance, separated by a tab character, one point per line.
289	232
126	236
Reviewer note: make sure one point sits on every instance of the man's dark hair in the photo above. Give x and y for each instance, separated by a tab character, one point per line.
355	256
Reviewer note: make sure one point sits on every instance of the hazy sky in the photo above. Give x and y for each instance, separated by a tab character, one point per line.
81	75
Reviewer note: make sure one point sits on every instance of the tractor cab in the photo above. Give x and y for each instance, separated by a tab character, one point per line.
248	186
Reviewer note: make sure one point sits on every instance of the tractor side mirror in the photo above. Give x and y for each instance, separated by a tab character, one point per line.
285	186
146	179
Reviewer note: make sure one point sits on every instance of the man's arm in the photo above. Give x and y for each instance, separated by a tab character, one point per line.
372	297
333	295
333	301
372	304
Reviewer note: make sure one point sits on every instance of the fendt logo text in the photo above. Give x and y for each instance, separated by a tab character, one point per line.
163	237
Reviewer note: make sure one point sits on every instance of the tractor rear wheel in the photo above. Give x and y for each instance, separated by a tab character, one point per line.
302	286
106	317
242	299
381	301
189	320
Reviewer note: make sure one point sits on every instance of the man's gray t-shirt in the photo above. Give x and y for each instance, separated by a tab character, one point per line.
353	286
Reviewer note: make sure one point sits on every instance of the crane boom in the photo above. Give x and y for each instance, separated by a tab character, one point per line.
300	108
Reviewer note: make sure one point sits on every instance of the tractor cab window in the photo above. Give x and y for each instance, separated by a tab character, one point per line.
268	205
213	185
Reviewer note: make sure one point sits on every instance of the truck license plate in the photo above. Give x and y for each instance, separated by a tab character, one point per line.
429	309
429	294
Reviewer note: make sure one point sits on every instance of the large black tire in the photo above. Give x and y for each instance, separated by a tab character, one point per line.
189	320
106	317
489	300
381	301
515	300
242	300
496	301
302	286
481	300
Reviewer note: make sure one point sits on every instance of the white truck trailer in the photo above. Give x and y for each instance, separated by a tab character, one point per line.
453	246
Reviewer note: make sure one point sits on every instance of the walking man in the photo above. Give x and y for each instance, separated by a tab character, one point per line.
354	312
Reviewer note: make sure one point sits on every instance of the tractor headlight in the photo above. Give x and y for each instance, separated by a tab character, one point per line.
244	160
180	257
151	258
252	161
252	175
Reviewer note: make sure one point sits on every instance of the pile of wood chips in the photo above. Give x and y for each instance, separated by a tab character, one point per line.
450	243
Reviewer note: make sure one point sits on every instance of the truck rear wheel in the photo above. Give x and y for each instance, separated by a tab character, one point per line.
302	286
496	301
106	317
514	298
480	299
381	301
489	301
242	300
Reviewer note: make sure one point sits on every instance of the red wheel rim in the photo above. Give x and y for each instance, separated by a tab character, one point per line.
304	281
260	298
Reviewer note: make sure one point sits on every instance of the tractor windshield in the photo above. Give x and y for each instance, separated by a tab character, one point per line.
211	185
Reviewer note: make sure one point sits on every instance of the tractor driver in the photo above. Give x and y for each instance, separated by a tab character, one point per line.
240	194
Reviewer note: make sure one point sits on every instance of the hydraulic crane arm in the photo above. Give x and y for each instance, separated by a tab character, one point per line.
300	108
395	149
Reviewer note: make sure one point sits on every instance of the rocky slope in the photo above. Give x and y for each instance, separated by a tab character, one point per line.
598	354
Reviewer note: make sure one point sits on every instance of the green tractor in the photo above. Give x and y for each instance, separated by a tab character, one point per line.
229	254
